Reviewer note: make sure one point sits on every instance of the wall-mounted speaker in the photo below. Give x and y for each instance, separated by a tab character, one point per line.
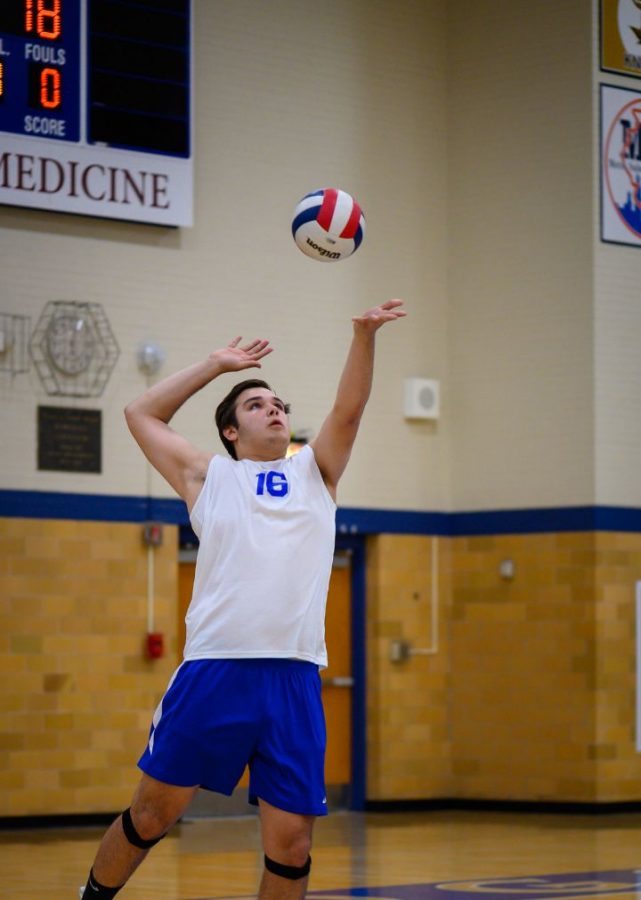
421	398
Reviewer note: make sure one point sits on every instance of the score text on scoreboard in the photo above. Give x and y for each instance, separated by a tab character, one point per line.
40	68
96	108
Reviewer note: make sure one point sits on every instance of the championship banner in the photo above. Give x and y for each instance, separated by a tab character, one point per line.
621	36
620	165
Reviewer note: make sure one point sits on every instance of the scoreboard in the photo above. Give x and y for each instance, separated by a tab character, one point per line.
96	108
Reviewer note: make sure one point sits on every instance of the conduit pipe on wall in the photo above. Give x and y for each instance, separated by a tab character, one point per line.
151	588
151	573
150	357
152	536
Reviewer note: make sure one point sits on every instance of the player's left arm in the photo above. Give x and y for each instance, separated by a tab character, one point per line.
333	444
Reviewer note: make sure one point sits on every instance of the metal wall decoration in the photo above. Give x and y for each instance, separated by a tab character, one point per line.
73	349
14	337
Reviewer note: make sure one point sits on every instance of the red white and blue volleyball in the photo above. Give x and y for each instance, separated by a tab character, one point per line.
328	225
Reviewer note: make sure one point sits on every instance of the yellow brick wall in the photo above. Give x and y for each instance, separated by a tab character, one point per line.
77	689
532	693
408	742
523	656
618	765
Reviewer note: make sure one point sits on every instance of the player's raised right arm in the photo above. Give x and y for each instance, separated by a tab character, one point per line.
178	461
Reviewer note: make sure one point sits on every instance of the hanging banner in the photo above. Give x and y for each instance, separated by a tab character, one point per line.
620	165
621	36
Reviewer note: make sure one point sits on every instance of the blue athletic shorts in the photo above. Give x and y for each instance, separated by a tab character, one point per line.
219	715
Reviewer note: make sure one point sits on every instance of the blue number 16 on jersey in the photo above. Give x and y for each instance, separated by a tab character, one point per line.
275	483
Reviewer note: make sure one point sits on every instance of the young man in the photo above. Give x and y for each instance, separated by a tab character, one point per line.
248	691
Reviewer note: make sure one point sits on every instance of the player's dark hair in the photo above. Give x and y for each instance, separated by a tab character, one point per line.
226	410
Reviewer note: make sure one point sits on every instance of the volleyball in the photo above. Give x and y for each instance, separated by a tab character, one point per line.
328	225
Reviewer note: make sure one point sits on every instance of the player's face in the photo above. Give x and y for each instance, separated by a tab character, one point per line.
263	425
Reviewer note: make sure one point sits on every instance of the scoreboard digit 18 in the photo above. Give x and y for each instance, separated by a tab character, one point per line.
95	108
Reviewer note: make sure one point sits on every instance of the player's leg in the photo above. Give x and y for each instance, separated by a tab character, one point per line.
287	774
155	807
287	841
199	709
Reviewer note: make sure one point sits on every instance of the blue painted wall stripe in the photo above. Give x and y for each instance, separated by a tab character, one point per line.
96	507
349	520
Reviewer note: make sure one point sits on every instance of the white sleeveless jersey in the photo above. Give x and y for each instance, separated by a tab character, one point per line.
267	532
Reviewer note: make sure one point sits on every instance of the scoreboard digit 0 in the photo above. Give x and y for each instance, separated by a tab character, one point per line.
95	107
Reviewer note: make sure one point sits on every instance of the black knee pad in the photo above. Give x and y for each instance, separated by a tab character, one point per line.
291	872
132	835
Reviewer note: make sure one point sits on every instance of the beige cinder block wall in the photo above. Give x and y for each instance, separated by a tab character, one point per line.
521	262
287	100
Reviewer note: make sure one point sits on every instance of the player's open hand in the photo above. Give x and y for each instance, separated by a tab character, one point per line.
233	358
373	319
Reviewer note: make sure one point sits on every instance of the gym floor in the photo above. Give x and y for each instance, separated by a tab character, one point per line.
390	856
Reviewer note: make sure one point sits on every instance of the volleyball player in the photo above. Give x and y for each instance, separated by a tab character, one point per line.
248	690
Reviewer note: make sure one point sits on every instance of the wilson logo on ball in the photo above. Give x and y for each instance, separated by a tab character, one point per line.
328	225
320	251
